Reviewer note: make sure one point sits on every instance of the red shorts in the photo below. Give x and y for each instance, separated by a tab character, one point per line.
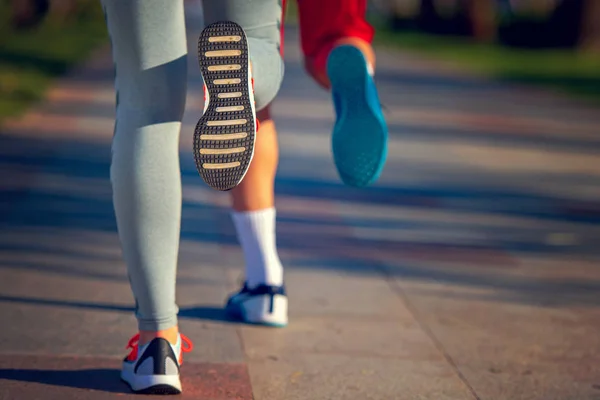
323	22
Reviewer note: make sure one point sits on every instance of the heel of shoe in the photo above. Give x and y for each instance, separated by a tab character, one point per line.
266	310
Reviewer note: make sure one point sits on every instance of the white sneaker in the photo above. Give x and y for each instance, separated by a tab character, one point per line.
154	367
224	136
262	305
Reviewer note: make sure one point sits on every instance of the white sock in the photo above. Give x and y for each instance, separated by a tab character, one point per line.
256	233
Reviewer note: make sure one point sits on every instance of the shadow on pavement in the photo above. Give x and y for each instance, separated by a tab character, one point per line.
65	303
106	380
200	312
52	225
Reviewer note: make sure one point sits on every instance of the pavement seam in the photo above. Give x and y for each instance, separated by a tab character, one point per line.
395	287
230	287
240	336
386	274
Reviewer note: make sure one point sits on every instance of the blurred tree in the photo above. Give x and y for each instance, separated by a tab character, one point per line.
475	18
62	10
401	14
516	23
404	13
27	13
541	23
428	19
443	17
566	22
589	38
482	18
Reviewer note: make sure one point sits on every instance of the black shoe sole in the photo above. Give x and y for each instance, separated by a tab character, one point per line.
224	136
156	389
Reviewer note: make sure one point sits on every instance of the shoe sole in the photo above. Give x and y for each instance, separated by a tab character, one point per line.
240	316
359	139
156	389
271	319
150	384
224	136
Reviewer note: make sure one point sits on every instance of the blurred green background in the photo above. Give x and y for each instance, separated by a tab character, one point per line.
553	43
40	40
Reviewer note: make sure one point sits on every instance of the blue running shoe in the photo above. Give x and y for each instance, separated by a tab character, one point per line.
360	134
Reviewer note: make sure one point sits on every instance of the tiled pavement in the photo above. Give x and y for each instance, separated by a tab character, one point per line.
470	271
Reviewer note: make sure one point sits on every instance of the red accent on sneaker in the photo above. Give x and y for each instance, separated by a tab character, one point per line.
133	344
185	342
257	121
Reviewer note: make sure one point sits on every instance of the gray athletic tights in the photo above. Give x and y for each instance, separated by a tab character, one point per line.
149	50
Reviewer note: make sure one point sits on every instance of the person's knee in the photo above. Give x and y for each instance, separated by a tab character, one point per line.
267	71
154	95
268	90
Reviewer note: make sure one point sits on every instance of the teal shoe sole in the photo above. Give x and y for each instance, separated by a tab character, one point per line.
360	134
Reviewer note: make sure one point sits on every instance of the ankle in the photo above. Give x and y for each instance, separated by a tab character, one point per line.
363	46
256	234
316	66
171	335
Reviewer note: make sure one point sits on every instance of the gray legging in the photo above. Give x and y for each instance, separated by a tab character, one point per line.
149	50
